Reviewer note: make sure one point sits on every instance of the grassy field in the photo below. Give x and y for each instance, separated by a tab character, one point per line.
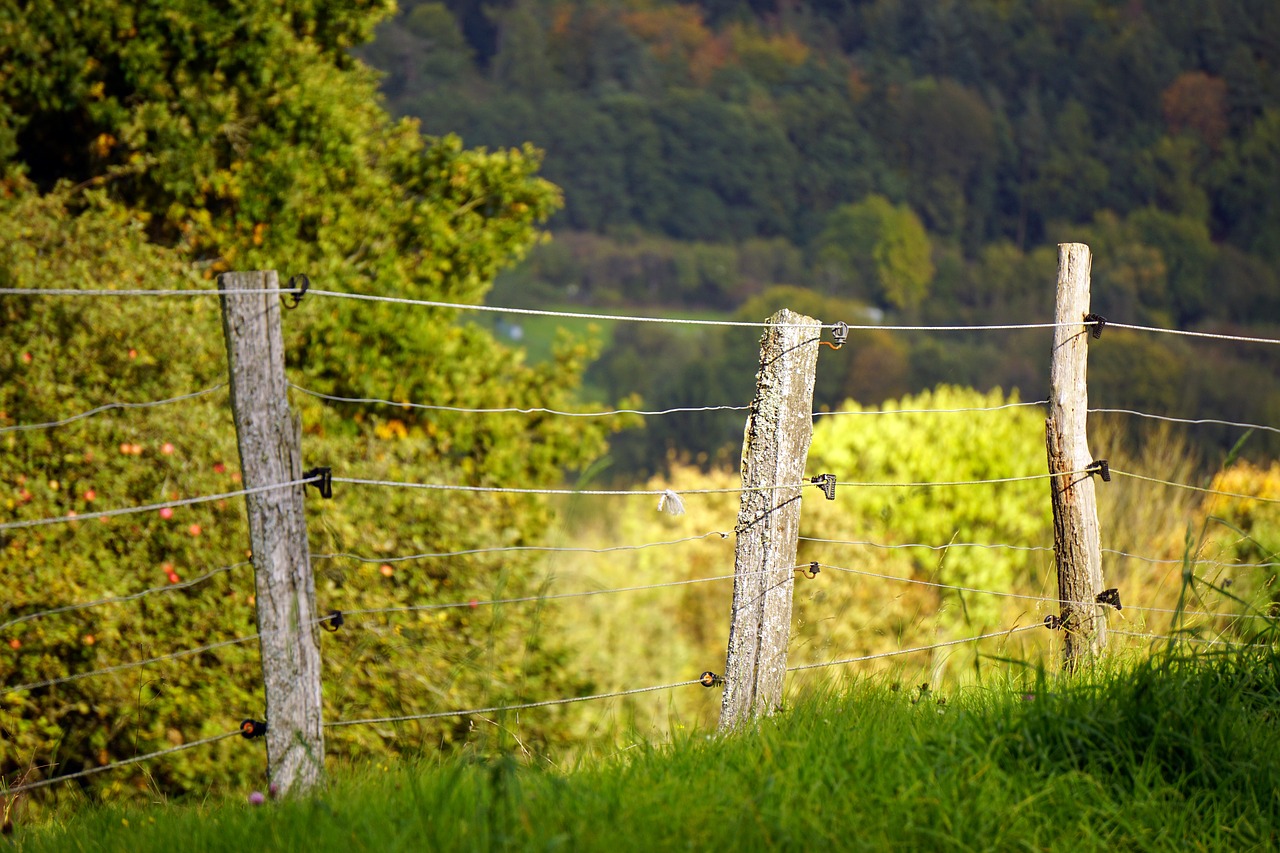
1172	752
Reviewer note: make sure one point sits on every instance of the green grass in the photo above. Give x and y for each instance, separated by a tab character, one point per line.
1168	754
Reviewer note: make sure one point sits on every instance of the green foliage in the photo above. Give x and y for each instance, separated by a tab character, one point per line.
904	442
876	250
151	147
1247	177
992	121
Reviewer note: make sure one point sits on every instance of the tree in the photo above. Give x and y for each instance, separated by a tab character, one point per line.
879	249
153	145
1247	187
897	443
1197	103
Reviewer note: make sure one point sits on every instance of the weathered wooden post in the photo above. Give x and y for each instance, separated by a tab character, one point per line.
1076	545
774	450
269	439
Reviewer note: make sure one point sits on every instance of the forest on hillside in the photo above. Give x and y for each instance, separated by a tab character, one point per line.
902	159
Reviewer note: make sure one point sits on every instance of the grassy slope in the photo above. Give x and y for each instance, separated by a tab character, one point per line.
1169	754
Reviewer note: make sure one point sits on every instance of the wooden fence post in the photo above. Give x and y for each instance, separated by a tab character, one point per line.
1076	545
269	439
774	450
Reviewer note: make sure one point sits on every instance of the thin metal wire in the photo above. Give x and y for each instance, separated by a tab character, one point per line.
934	411
397	300
1184	420
515	410
500	708
992	481
1042	548
173	587
870	544
1188	639
110	406
913	651
1198	561
36	685
69	291
1190	334
1196	488
498	309
1038	598
414	608
595	492
18	789
651	492
111	513
503	549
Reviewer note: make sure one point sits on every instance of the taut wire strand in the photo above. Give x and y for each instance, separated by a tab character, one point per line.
537	410
129	510
394	484
108	407
1186	333
500	708
1193	422
171	587
508	548
71	291
36	685
498	309
1195	488
935	411
53	780
941	645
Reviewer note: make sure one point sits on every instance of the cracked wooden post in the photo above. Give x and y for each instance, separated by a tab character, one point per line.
774	450
269	439
1076	543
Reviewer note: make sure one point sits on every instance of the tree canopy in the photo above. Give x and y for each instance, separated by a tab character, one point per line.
150	146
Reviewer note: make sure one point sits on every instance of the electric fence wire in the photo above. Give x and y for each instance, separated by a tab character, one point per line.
65	679
540	410
498	309
120	599
195	291
944	644
964	410
1182	638
536	410
1038	598
396	484
416	608
112	513
1191	334
53	780
578	315
869	544
1193	422
866	543
110	406
497	709
1200	489
1199	561
509	548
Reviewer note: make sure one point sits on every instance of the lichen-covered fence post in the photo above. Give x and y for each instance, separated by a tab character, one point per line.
774	450
1076	541
269	439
